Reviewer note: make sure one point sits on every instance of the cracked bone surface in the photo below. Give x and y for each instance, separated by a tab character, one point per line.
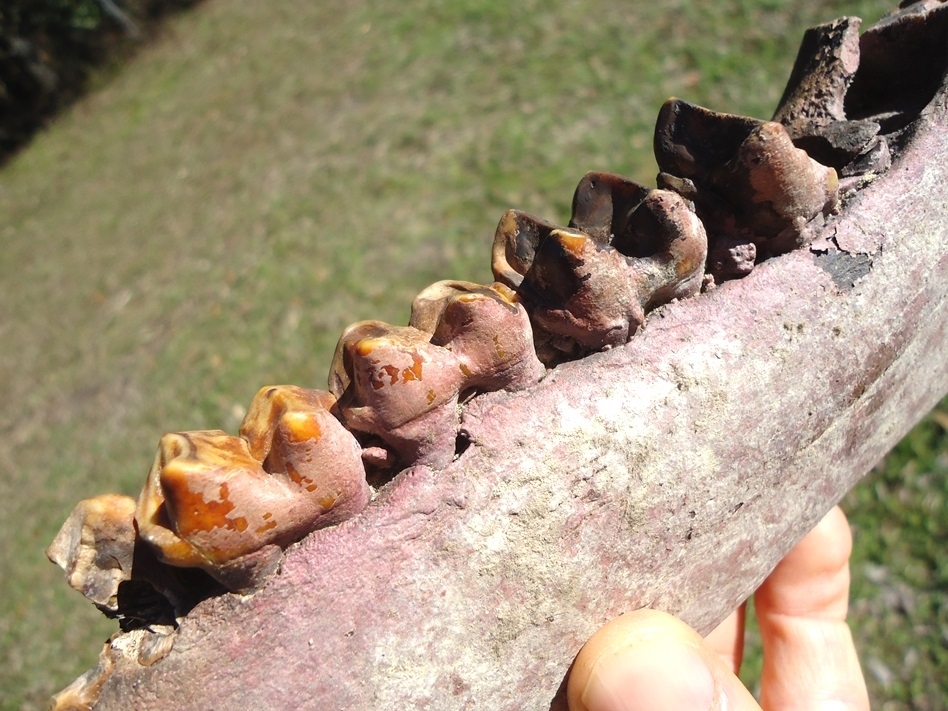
673	471
228	505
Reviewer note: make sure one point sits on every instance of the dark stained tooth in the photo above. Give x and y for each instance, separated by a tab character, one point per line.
668	247
903	67
692	142
515	243
825	66
603	204
587	287
582	296
750	184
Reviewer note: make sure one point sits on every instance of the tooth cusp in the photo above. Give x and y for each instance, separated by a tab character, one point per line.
228	505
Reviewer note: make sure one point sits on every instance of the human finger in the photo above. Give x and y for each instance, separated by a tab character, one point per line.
648	660
727	639
810	661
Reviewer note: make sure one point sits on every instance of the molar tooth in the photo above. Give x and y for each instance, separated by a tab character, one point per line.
750	182
582	291
487	329
587	287
306	448
209	503
668	246
393	383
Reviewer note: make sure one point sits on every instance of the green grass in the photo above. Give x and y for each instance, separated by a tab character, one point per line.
212	216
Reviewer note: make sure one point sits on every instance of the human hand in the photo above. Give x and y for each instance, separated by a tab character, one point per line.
648	660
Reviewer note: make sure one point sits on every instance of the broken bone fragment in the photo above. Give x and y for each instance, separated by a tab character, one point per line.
903	67
95	548
229	505
99	550
747	179
588	287
812	108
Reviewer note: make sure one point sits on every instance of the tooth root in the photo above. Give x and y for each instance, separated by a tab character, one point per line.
95	547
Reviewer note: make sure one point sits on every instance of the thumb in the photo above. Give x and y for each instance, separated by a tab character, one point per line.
650	661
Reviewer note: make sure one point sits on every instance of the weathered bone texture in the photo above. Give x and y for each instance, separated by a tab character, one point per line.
671	472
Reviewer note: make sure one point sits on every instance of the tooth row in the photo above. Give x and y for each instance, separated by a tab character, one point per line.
732	191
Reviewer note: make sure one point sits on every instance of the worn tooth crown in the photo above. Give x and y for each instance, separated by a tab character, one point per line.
749	182
603	204
212	500
516	240
399	388
486	328
627	249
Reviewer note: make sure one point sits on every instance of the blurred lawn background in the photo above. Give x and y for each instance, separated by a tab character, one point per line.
212	215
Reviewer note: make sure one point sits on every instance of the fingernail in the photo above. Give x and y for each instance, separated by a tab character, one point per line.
656	677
